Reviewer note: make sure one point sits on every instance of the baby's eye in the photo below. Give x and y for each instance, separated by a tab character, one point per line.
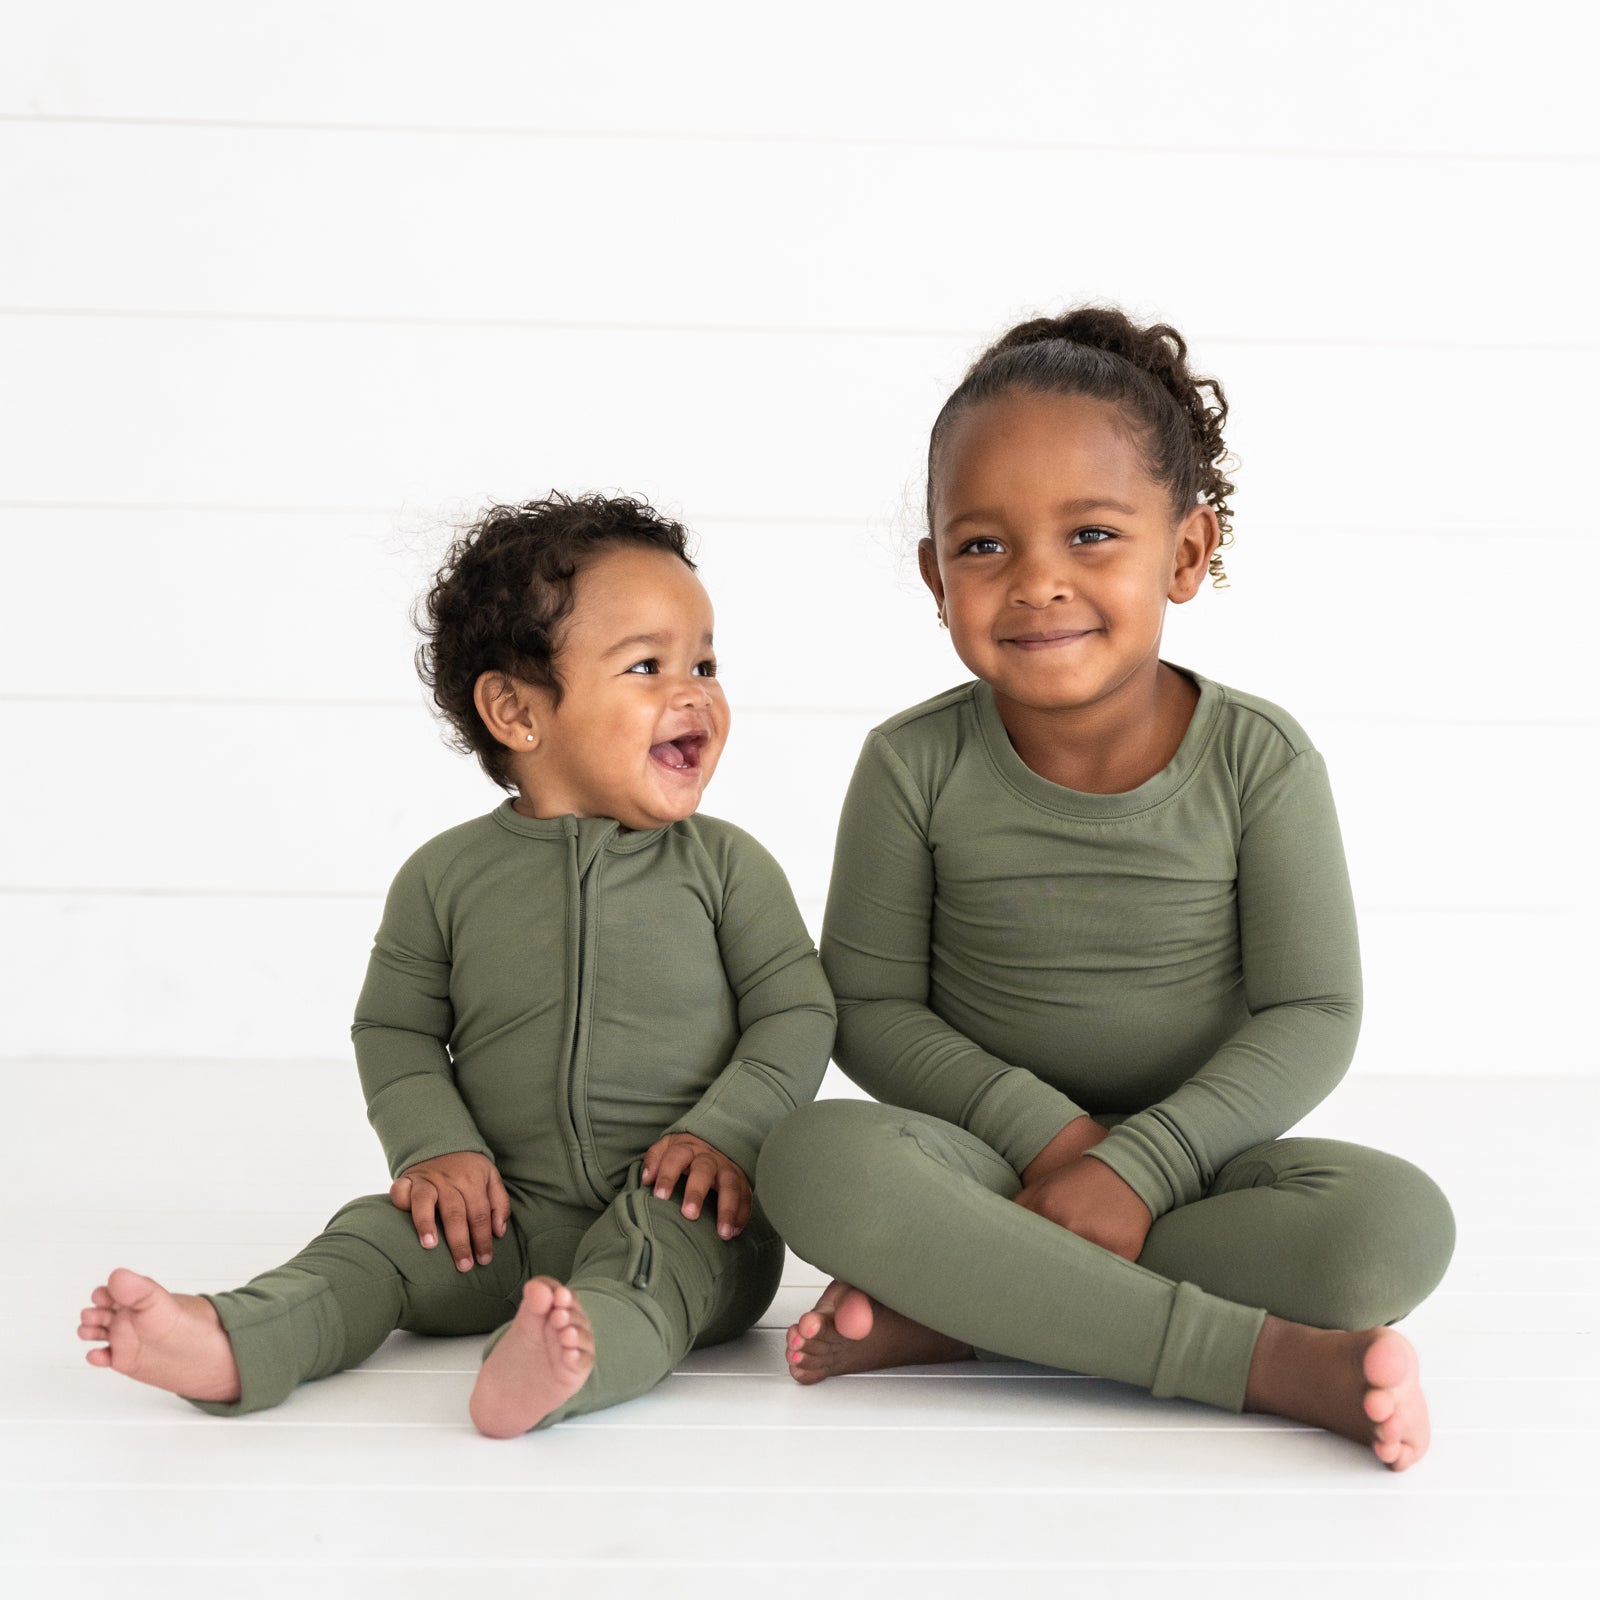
705	669
1093	536
982	546
649	665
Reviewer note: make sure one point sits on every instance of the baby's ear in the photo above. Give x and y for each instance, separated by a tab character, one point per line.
511	710
1198	536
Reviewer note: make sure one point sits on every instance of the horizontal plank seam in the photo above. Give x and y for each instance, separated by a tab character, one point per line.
742	330
802	140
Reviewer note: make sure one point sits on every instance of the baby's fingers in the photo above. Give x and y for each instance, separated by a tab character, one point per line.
457	1227
423	1207
673	1161
480	1225
652	1159
702	1179
733	1200
400	1193
499	1205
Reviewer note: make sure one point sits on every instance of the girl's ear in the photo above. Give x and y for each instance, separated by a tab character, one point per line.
511	710
928	566
1199	534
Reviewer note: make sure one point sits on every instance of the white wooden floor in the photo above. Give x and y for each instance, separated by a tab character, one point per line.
373	1482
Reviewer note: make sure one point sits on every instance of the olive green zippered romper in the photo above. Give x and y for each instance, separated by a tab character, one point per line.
1179	961
557	994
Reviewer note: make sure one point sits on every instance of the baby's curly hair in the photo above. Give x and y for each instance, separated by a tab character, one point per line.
505	587
1101	352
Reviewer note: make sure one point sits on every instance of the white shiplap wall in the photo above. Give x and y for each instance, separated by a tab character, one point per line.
286	289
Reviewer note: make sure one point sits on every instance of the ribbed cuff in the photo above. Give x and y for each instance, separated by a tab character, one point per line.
1206	1353
1020	1115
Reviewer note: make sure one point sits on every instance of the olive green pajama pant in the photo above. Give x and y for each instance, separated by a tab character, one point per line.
918	1213
653	1284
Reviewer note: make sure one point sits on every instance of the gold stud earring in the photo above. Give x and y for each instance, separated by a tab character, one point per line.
940	615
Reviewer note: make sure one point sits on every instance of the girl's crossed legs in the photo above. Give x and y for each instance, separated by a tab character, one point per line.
1228	1303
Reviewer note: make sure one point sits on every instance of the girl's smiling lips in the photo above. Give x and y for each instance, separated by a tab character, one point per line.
1048	640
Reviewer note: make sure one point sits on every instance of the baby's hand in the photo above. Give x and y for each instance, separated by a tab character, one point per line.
1087	1198
675	1154
464	1190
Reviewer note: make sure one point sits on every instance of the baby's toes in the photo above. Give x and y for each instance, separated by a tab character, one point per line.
1379	1404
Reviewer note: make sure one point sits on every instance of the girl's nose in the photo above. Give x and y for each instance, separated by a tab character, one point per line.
1040	583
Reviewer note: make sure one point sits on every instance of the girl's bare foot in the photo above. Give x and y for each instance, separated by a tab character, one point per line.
1365	1386
847	1332
171	1341
542	1360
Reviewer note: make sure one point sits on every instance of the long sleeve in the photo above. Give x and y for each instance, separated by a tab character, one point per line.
875	949
1302	985
786	1016
401	1031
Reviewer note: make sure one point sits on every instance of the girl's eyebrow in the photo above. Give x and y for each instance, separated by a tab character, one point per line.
1070	508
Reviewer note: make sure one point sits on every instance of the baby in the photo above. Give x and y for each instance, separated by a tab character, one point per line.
574	1005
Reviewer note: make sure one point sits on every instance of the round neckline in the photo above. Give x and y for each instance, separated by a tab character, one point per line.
610	831
1018	776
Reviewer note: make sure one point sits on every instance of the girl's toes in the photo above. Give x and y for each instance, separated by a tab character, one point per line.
809	1325
1379	1404
1387	1451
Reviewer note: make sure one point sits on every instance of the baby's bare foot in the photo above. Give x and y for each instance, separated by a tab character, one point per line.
171	1341
541	1361
1365	1386
847	1332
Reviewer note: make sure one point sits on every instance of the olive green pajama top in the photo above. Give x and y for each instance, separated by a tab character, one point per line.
1182	956
557	994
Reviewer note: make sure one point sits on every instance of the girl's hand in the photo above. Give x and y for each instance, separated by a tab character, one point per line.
463	1190
1079	1135
675	1154
1087	1198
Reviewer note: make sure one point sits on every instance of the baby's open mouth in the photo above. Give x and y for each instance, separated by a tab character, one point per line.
679	755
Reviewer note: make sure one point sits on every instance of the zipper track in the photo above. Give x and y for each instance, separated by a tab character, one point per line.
641	1278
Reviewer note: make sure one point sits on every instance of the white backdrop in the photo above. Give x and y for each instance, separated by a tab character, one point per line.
285	289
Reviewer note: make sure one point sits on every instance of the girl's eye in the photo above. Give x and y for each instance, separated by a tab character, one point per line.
983	546
643	667
1093	536
705	669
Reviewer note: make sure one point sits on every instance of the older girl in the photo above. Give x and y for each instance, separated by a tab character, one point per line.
1093	945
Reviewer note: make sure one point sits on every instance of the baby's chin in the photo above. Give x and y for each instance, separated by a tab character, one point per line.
662	812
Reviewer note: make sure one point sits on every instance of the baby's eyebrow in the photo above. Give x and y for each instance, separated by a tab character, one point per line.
656	641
